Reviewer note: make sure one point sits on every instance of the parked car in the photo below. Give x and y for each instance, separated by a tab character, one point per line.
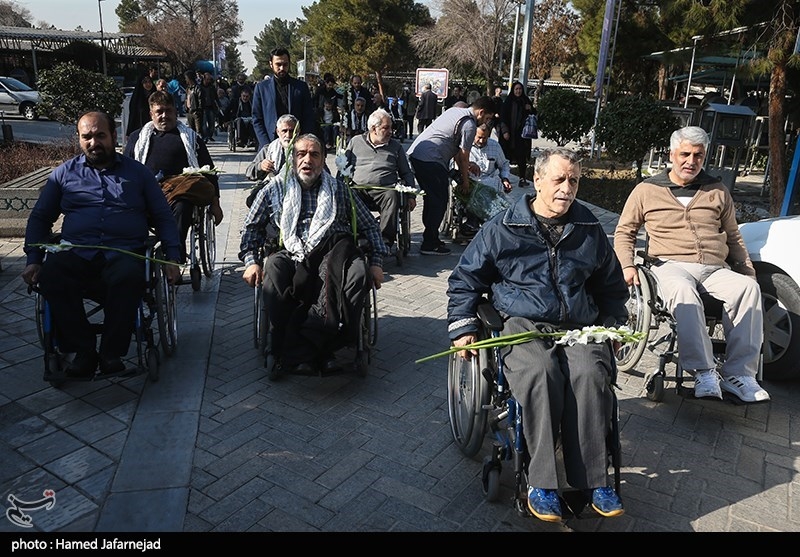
771	243
18	98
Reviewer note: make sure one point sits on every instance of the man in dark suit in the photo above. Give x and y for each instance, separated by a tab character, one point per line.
427	108
280	94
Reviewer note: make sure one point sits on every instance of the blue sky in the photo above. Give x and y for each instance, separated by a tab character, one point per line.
69	14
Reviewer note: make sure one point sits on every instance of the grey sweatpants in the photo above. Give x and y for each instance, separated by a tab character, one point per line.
565	392
680	284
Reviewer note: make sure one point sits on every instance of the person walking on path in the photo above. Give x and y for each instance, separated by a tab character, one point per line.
450	137
427	108
516	109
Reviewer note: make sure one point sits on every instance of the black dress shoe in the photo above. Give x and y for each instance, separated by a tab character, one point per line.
111	365
304	369
83	365
330	365
275	372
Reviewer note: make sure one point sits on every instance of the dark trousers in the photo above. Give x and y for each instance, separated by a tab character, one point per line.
434	179
183	212
565	393
409	123
299	332
388	203
118	279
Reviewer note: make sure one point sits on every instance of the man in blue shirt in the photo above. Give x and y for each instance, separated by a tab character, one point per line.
110	201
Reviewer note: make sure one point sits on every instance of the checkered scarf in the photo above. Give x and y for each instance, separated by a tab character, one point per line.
320	222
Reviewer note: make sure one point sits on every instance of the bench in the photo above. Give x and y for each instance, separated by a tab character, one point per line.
17	198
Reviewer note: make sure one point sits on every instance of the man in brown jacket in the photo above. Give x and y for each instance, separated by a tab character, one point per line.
692	232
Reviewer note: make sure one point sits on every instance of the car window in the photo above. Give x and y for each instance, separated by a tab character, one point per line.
14	84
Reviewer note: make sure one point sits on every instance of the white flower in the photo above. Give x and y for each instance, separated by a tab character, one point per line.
342	164
596	334
402	188
55	248
205	169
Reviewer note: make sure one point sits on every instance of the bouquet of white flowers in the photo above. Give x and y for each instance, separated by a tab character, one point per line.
483	201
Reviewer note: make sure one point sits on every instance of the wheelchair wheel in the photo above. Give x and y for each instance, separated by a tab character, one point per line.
491	480
260	320
368	334
207	243
639	319
403	232
166	311
371	317
468	394
654	388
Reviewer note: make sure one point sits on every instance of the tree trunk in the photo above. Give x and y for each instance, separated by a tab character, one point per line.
777	138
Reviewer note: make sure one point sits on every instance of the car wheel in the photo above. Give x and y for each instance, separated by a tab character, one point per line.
28	111
780	296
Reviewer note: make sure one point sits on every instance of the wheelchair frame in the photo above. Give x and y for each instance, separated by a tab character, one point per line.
203	252
156	327
455	215
647	313
233	138
479	399
365	341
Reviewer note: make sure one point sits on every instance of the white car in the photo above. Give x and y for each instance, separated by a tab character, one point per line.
771	243
18	98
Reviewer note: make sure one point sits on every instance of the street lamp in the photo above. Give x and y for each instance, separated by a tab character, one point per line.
305	56
102	38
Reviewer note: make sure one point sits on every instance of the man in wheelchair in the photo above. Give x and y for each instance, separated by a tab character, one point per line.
547	264
166	146
696	246
269	161
377	159
241	120
107	200
315	284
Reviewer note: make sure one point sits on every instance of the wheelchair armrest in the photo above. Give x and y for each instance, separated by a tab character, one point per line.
489	316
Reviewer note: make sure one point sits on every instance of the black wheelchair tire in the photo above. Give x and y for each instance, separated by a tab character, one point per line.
207	243
166	312
639	319
468	395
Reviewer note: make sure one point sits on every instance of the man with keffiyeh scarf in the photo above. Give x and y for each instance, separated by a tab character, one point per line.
314	284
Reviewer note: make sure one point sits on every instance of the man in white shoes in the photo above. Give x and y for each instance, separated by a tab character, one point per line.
692	233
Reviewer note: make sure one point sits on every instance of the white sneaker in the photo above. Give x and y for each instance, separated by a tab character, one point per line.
744	387
706	384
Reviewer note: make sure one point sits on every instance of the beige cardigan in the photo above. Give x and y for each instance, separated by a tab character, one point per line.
705	231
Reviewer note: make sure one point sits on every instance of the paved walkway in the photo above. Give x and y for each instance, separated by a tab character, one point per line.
215	446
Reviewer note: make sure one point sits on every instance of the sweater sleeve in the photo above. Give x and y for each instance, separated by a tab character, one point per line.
628	226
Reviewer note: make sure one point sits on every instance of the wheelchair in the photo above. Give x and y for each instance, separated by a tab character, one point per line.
366	336
455	216
648	314
234	140
156	326
203	249
479	400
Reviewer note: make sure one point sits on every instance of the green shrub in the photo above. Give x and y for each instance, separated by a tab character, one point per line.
68	91
564	115
630	127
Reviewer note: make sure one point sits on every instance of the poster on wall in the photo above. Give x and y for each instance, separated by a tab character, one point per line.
437	77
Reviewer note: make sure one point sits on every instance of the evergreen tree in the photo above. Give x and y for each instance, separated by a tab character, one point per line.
128	12
277	33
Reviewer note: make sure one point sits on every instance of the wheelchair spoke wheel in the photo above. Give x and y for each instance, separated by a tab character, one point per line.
166	311
371	317
208	243
260	321
639	319
468	395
